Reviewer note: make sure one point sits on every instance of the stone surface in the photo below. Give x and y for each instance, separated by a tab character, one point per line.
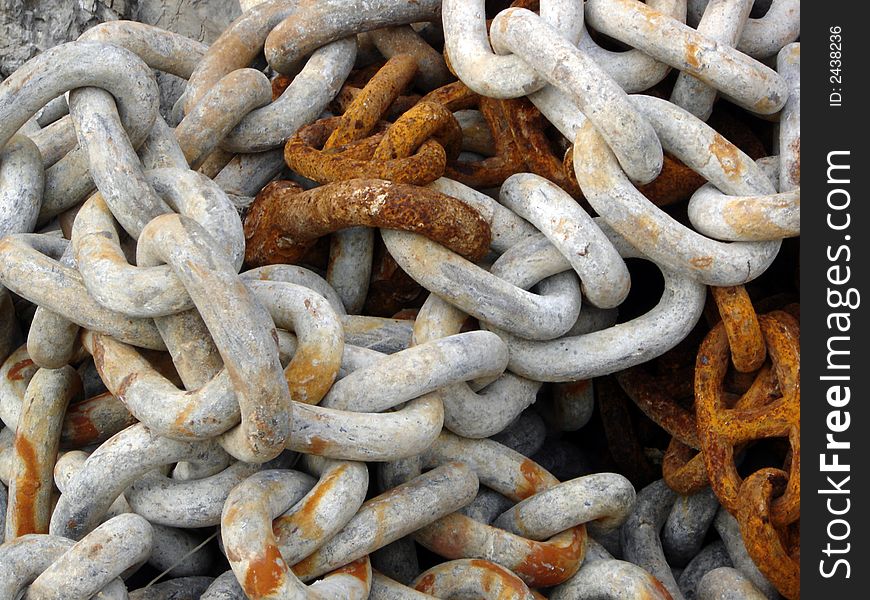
29	26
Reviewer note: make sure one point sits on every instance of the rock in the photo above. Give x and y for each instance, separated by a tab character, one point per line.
29	27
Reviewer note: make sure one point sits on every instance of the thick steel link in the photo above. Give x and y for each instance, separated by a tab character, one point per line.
129	83
777	560
22	181
283	219
779	418
745	218
627	131
57	568
305	31
484	295
652	231
266	365
473	413
603	275
747	82
30	268
37	437
722	22
635	71
788	64
142	291
765	36
432	72
611	580
611	349
246	345
472	578
495	74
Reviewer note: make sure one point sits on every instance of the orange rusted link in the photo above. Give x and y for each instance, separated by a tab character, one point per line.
676	182
281	221
622	441
279	84
390	288
349	93
302	153
472	578
528	126
663	409
454	96
683	468
768	547
794	309
721	429
368	107
491	172
537	563
423	121
741	326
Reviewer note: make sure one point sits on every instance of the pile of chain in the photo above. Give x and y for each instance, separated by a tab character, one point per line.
415	317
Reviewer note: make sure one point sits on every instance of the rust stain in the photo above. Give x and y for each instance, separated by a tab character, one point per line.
16	373
651	229
654	590
358	568
265	574
449	536
494	576
309	375
553	561
316	445
728	156
426	584
181	420
702	262
693	55
27	490
280	83
534	479
304	521
80	430
305	567
94	551
231	514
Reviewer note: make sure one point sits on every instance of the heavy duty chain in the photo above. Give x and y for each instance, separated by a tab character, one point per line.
460	248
